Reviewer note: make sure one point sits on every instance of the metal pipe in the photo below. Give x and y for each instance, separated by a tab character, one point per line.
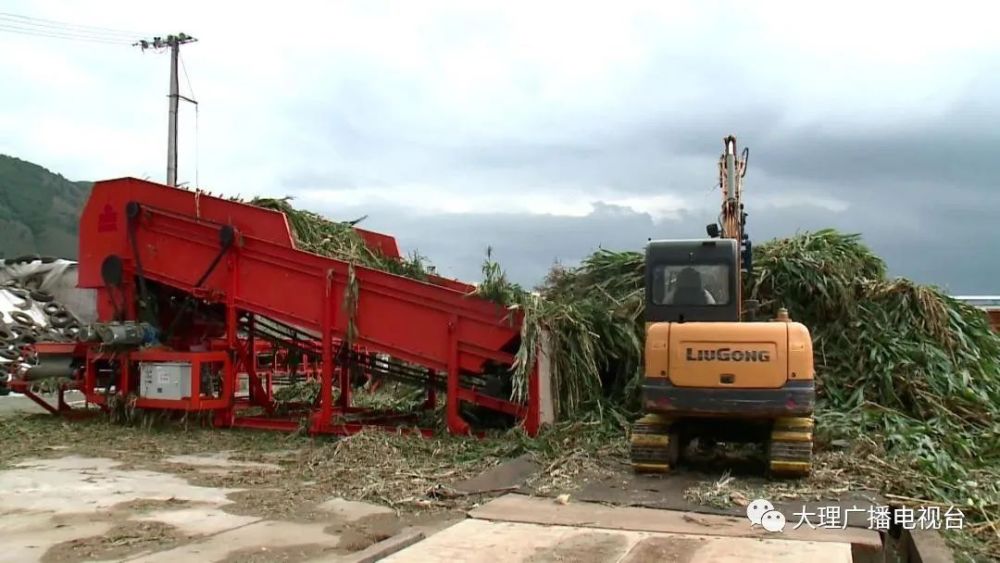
52	367
731	168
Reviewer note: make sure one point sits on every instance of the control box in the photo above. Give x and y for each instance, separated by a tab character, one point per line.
165	380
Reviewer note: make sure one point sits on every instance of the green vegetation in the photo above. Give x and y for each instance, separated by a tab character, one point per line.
39	210
906	371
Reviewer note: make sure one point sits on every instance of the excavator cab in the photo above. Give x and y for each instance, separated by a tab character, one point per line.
691	280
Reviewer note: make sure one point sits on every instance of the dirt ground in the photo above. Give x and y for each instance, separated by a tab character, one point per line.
92	490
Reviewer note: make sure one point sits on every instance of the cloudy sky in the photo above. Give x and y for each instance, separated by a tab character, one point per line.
544	129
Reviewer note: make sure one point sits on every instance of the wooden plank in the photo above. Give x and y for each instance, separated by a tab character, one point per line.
508	475
926	546
717	549
484	541
385	548
533	510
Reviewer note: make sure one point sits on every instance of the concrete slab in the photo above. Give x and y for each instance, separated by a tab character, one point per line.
352	511
220	460
476	541
259	537
198	521
76	484
74	506
27	536
19	521
45	503
49	502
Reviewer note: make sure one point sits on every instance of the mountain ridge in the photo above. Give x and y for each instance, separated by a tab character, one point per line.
39	210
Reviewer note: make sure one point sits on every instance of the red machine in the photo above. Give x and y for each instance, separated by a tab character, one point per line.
189	286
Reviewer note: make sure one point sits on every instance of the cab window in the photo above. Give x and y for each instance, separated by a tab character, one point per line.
691	284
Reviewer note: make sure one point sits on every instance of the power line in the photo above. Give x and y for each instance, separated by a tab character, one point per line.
197	184
46	23
40	27
196	104
186	78
61	29
60	35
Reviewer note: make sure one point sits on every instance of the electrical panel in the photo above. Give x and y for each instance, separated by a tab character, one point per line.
165	380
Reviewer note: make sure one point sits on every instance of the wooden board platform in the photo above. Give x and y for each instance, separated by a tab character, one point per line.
486	541
536	510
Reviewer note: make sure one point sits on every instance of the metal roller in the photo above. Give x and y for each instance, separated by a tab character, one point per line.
52	366
126	334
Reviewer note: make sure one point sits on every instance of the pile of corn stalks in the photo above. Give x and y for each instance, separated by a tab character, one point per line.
592	317
899	365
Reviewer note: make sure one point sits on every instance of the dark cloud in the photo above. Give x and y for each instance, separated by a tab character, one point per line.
919	187
952	249
922	193
936	155
674	151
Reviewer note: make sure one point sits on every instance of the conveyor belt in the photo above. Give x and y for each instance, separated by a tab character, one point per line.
283	335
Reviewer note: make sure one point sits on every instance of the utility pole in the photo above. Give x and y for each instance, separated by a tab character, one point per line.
174	42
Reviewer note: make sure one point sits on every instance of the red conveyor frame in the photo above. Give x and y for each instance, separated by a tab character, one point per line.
435	324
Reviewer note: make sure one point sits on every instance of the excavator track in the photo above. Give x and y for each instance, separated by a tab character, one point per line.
790	447
653	447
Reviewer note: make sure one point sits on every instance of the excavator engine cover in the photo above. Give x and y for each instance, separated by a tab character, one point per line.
762	369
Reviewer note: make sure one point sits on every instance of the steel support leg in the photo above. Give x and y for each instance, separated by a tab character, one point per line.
533	419
456	425
431	402
326	378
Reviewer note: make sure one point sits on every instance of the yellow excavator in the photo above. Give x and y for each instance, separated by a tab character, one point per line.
711	371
